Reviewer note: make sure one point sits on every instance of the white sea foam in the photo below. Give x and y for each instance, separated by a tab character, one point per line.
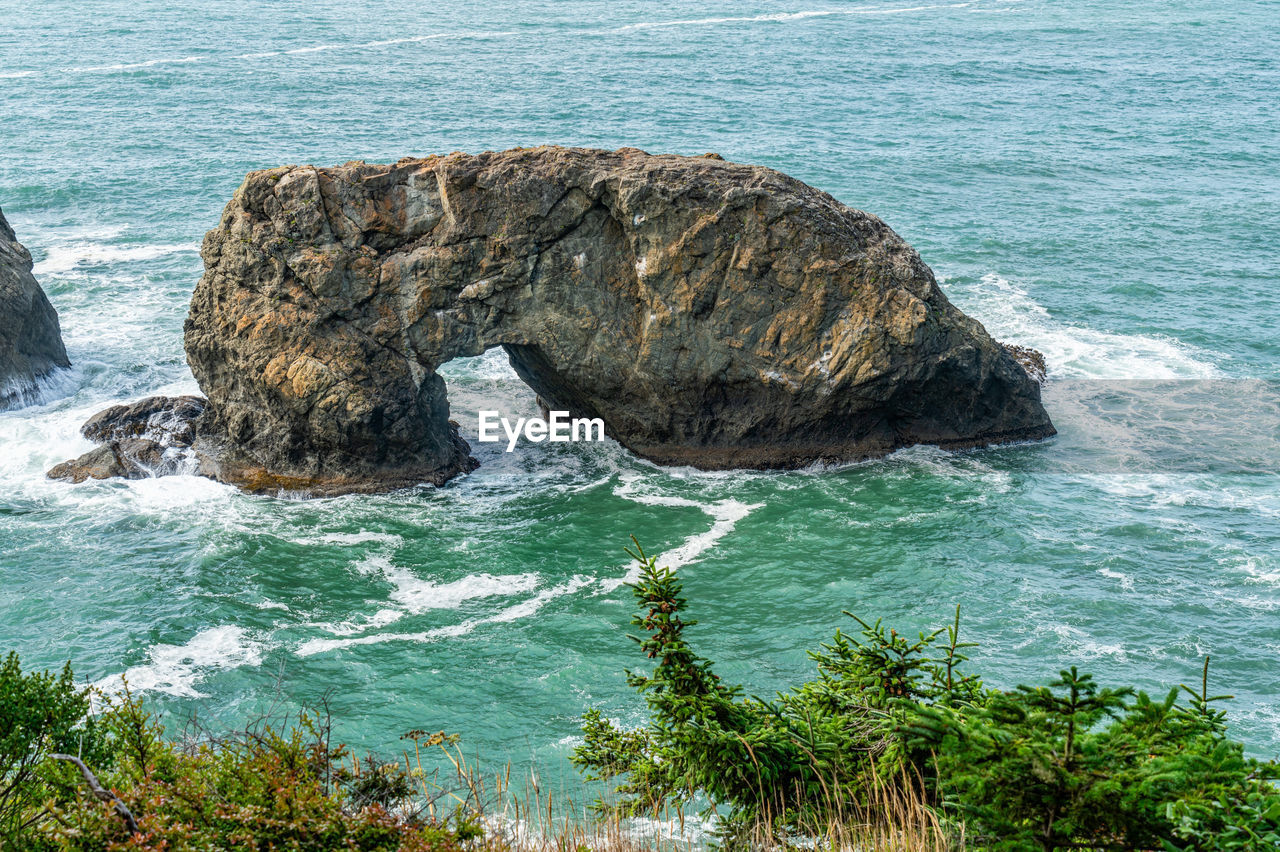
112	305
389	42
362	624
417	595
1077	643
1258	715
944	463
412	594
1075	352
787	16
343	539
176	669
516	612
319	48
780	17
41	391
1126	582
363	537
38	437
1253	602
1184	490
725	515
492	367
523	609
1261	569
134	66
35	439
163	495
687	831
67	257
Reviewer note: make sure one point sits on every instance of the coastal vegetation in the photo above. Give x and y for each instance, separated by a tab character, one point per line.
894	719
75	776
894	744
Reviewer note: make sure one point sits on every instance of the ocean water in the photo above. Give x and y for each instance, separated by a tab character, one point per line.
1098	180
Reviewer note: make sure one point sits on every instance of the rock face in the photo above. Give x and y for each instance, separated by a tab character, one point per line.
712	314
30	339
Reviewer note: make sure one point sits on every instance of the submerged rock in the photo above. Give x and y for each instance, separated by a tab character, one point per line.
30	339
712	314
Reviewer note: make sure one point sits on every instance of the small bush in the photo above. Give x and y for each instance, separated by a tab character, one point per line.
891	719
268	787
40	714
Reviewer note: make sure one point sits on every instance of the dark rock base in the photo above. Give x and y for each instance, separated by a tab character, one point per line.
164	436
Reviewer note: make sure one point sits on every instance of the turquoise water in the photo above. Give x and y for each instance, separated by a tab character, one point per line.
1098	180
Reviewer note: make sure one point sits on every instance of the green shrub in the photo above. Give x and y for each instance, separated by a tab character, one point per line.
1065	765
798	762
40	714
268	787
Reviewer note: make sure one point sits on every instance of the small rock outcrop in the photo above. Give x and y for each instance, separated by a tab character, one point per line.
30	339
152	437
1031	360
712	314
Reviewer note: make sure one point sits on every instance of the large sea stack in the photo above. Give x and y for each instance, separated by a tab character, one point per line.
30	339
712	314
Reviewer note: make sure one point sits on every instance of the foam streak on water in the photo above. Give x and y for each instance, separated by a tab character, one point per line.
725	513
1079	352
782	17
177	669
66	259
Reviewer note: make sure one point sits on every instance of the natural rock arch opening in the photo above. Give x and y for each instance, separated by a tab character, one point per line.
488	383
712	314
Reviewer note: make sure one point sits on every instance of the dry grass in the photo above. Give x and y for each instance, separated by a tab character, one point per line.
890	816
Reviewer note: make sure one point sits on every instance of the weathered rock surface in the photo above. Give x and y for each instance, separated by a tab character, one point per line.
712	314
152	437
30	339
1031	361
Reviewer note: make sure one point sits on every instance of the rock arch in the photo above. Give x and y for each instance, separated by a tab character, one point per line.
712	314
